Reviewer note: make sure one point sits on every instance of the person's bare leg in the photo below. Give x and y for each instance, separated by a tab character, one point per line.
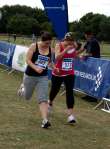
44	113
71	118
44	110
69	111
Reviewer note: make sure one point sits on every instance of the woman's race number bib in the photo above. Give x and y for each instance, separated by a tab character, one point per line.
42	61
67	64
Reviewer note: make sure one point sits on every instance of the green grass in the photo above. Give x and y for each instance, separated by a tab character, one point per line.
105	47
19	40
20	122
25	41
105	50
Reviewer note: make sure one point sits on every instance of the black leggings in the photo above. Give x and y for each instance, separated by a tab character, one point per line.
69	84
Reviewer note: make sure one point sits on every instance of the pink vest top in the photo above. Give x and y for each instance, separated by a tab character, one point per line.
65	65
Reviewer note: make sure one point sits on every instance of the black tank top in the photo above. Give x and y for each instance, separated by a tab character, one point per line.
39	60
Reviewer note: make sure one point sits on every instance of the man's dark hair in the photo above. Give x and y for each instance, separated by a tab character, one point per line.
88	32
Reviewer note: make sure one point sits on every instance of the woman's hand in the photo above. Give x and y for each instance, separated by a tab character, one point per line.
57	70
39	70
69	47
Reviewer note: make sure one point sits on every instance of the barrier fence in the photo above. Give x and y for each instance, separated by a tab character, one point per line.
91	75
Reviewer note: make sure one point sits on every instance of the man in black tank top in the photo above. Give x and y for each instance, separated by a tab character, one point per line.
36	75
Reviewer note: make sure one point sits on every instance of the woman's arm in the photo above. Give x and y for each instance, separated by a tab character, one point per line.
29	55
59	55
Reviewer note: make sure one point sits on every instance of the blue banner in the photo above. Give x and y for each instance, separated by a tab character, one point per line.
6	53
92	76
57	11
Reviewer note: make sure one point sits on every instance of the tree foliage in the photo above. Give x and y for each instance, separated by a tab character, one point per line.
23	20
97	23
26	20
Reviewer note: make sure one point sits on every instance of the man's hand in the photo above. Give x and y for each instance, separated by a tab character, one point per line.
84	57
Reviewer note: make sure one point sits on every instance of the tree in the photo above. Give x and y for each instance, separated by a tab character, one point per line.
105	29
46	26
40	15
21	24
99	24
22	19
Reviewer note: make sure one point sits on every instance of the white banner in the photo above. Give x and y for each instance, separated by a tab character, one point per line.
19	58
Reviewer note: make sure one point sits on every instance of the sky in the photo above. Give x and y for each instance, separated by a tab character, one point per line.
76	8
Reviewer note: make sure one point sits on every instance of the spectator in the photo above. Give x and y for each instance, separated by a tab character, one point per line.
91	47
14	37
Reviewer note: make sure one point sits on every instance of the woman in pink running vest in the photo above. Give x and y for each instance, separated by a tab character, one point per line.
63	72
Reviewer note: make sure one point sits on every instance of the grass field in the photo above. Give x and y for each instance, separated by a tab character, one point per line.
19	40
105	47
20	120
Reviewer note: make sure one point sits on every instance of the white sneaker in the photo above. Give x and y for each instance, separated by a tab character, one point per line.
45	124
21	90
71	119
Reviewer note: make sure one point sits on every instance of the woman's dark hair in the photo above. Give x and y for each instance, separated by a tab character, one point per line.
45	36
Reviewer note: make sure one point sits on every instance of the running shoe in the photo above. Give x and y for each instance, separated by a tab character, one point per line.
45	124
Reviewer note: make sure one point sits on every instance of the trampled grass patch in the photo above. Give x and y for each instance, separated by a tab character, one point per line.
20	122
